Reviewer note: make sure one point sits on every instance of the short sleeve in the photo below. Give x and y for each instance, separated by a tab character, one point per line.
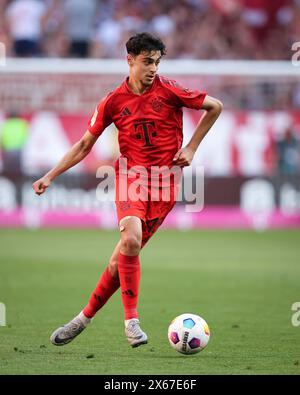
184	97
101	118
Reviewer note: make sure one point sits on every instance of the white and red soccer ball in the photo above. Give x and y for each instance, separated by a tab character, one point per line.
188	333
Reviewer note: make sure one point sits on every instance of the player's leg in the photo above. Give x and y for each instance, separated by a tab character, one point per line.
129	264
105	288
109	280
129	274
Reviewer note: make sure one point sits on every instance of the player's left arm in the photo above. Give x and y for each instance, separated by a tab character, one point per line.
213	108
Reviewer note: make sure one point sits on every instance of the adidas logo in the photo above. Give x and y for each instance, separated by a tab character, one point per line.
128	292
125	112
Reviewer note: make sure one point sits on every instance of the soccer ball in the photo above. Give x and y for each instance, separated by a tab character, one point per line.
188	333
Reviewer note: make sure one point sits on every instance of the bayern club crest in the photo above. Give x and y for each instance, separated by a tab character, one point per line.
157	104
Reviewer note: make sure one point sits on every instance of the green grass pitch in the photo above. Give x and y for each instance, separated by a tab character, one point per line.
243	283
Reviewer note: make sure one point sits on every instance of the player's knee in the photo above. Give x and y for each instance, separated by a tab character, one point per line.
113	267
131	244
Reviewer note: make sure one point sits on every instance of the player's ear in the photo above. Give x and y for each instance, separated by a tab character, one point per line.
130	59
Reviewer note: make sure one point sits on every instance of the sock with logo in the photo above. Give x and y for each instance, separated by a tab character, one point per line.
129	274
105	288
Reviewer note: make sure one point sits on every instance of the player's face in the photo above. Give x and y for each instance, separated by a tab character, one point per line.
143	67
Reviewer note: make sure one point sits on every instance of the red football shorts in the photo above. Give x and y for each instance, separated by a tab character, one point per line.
150	204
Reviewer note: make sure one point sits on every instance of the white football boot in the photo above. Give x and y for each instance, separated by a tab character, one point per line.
66	333
134	334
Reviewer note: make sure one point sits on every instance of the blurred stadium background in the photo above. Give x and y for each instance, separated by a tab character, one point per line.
62	57
251	157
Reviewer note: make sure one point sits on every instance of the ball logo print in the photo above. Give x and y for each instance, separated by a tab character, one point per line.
296	315
2	314
188	333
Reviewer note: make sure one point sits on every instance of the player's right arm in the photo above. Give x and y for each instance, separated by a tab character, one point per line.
75	155
99	121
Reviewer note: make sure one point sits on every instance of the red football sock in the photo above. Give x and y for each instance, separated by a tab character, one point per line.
106	286
129	274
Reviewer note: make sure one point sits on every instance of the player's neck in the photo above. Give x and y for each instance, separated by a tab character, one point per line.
137	87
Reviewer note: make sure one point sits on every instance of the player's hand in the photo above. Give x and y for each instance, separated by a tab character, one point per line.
41	185
184	157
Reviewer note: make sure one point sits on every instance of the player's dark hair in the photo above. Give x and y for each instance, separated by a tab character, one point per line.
145	42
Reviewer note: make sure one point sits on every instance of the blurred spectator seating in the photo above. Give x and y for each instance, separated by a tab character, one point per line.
196	29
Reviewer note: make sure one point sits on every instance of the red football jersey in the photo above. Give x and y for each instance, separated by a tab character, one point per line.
149	125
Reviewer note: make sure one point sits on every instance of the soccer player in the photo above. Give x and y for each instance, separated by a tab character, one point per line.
147	111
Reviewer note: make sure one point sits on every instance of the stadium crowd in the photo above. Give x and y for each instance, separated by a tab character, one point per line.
195	29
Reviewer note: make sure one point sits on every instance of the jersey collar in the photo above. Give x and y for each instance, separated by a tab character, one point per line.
146	92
